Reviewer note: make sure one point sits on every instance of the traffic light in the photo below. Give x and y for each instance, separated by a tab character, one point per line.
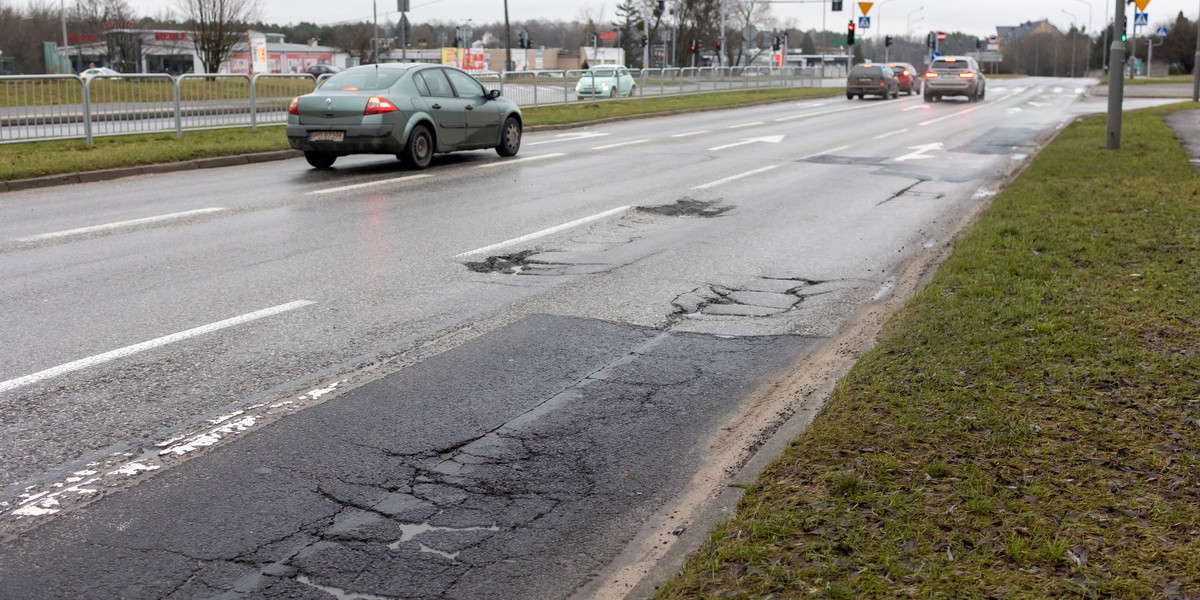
887	40
595	40
695	46
718	46
850	33
645	41
837	6
662	5
930	40
1124	27
775	44
979	44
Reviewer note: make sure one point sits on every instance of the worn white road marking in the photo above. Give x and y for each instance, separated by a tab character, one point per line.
826	112
890	134
500	163
735	177
917	107
770	139
120	224
745	125
357	186
952	115
568	137
91	361
690	133
545	232
1079	91
829	151
920	152
620	144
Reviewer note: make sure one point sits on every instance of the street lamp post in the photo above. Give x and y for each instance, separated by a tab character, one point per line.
1089	28
879	19
909	30
1072	36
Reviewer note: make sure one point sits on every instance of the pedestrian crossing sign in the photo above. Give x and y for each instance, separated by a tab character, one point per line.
864	22
1141	19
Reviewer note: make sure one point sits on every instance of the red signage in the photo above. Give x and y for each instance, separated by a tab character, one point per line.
941	36
118	24
608	35
170	36
81	38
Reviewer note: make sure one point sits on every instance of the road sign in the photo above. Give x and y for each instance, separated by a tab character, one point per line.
1142	4
941	36
865	7
1161	32
864	22
1141	19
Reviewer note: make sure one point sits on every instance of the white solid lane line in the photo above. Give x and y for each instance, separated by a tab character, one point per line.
119	224
618	145
745	125
545	232
735	177
952	115
369	184
890	134
829	151
503	162
567	137
826	112
690	133
12	384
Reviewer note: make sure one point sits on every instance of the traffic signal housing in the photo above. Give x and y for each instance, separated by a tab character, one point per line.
837	6
718	46
887	40
695	47
850	33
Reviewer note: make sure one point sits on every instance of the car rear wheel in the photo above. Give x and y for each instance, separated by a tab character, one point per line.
928	97
418	152
320	160
510	138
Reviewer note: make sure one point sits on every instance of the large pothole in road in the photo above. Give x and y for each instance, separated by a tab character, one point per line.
508	264
687	207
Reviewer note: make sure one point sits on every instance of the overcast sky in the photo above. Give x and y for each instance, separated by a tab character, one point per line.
978	17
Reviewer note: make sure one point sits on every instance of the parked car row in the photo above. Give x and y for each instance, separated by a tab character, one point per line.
946	76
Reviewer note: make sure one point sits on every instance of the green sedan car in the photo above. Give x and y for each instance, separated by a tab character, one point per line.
410	110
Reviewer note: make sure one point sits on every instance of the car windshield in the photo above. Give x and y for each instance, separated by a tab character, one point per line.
953	65
602	73
370	78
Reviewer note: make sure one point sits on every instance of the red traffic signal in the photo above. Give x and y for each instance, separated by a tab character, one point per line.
850	33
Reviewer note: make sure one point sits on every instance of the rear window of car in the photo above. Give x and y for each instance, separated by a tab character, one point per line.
866	71
953	65
899	69
370	78
602	73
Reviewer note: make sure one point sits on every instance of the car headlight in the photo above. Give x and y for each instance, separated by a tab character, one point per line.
604	86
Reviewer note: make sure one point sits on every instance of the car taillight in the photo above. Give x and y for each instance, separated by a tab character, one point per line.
882	83
930	75
905	73
967	75
294	107
377	105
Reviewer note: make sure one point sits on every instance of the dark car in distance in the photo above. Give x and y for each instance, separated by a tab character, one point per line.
411	110
907	76
319	70
871	80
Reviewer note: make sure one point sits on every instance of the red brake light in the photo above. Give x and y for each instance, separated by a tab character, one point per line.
377	105
294	107
967	75
930	75
905	72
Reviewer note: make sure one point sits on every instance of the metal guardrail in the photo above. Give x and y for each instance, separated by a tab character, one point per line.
56	107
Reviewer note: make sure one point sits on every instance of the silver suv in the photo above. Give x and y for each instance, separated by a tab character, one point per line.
954	76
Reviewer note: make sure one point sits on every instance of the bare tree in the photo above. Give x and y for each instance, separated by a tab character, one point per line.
217	27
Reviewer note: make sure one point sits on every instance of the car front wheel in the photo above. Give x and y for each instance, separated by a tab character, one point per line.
320	160
418	152
510	138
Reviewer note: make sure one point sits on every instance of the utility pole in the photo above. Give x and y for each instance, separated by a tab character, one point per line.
1116	82
1195	71
375	33
507	40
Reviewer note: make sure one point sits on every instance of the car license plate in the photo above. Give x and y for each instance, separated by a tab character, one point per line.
326	136
864	80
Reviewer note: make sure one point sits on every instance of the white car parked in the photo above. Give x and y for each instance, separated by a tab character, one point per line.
97	71
608	81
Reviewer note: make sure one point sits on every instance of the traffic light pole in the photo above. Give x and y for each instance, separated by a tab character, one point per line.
1195	71
1116	82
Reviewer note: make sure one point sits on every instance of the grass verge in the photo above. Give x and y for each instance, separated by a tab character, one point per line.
33	159
1152	80
1027	426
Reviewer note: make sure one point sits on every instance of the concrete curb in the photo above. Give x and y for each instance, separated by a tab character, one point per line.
259	157
171	167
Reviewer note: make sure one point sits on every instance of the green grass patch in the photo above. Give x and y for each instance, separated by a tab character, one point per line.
1153	80
590	111
33	159
1027	426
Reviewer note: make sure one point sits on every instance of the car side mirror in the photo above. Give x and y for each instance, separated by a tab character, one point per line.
492	94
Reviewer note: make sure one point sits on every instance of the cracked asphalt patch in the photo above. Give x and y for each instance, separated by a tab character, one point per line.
515	467
687	207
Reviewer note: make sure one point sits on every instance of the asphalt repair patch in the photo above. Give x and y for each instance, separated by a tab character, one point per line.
517	466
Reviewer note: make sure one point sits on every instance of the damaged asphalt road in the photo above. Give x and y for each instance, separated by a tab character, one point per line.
432	482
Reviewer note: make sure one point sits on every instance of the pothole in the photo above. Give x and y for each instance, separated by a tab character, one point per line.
687	207
764	297
508	264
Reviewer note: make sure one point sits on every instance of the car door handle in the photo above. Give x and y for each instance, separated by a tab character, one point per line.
436	106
